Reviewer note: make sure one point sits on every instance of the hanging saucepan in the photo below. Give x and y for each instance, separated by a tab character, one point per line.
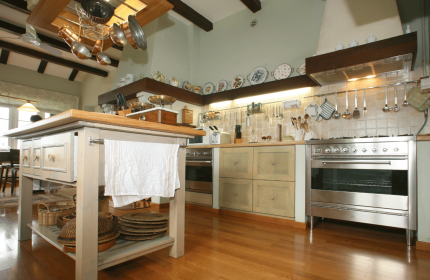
79	50
99	11
117	35
68	35
134	33
101	57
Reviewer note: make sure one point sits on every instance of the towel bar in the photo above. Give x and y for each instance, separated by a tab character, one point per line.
102	141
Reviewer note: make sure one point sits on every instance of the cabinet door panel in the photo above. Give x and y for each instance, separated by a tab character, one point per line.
25	155
274	163
236	163
57	156
235	194
273	197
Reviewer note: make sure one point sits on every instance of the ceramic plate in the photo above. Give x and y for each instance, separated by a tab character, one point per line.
186	85
283	71
197	89
237	82
208	88
221	86
302	69
258	75
313	110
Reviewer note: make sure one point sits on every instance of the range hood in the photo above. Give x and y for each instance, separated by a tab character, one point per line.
396	54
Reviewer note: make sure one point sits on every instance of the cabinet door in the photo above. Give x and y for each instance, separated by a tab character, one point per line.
273	197
235	194
274	163
57	156
35	159
236	163
26	156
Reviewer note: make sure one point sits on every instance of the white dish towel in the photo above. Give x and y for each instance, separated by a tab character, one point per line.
137	170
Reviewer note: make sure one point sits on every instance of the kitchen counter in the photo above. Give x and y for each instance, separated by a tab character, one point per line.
286	143
72	116
423	137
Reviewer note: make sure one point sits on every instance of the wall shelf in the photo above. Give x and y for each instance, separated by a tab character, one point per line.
155	87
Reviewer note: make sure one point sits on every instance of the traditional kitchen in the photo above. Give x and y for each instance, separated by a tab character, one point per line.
202	139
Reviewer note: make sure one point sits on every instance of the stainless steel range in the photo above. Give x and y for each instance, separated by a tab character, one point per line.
367	180
199	176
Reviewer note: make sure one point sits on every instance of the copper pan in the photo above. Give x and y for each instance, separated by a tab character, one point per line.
117	35
68	35
101	57
134	33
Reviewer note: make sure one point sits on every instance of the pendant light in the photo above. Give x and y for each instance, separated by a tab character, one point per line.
28	107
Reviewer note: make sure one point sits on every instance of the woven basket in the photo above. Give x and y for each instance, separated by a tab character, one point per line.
103	203
48	214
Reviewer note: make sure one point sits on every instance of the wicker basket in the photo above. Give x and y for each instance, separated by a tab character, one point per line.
103	203
48	214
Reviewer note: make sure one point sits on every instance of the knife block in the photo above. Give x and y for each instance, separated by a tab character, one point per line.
236	140
124	113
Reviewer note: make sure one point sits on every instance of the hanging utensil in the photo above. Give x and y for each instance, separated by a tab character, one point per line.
134	33
281	112
299	122
347	115
336	114
405	102
117	35
396	107
364	103
101	57
356	113
386	108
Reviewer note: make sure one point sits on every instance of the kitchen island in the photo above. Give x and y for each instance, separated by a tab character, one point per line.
50	150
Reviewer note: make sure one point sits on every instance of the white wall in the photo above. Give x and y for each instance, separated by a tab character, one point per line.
91	87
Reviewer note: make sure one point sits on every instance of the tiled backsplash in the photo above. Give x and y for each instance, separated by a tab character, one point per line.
375	122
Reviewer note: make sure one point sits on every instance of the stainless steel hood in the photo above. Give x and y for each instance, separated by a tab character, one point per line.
365	61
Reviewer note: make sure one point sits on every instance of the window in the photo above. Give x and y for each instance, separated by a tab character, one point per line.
24	118
4	126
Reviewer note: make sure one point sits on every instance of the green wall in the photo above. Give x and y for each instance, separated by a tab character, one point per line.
26	77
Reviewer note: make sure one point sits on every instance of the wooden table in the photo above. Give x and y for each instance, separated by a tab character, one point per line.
90	160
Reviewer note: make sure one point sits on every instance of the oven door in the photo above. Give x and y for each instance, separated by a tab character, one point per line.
198	175
381	183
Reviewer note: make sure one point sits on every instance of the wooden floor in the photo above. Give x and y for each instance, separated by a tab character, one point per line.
223	247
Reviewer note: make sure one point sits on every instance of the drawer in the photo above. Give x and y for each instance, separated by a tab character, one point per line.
273	197
25	154
57	157
236	163
35	158
274	163
235	194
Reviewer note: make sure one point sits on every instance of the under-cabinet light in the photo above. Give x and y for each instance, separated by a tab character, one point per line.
221	104
279	94
371	76
353	80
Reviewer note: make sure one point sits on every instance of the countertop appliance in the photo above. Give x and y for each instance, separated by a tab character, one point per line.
199	176
213	136
369	180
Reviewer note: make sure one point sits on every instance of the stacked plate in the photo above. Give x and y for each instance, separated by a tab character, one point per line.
142	226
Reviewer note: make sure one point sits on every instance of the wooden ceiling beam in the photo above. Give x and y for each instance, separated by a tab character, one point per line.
45	12
73	74
192	15
253	5
16	5
4	56
61	45
42	66
51	58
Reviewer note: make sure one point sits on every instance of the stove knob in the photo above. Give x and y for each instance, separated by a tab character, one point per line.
396	149
364	150
345	150
385	150
327	151
336	150
374	150
196	153
354	150
205	153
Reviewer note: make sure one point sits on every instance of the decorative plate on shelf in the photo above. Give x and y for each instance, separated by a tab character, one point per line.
283	71
237	82
221	86
208	88
197	89
186	85
258	75
302	69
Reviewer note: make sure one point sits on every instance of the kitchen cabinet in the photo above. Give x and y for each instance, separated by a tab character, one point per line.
236	163
274	163
273	197
235	193
25	156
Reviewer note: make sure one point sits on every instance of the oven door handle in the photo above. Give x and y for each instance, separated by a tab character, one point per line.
388	162
198	163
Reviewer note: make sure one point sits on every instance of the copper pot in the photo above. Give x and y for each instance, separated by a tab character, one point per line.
68	35
117	35
101	57
134	33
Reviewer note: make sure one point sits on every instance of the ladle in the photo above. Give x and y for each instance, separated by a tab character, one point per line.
364	103
396	107
336	114
405	102
386	108
347	115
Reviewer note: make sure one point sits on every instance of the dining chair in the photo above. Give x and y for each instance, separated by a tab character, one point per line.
13	167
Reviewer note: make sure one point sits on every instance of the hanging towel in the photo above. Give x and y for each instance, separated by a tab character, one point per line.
292	104
137	170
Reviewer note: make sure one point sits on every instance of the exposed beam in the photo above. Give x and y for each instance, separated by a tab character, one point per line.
48	40
190	14
253	5
42	66
51	58
19	5
73	75
4	56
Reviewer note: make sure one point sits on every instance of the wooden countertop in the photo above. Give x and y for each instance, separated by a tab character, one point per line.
71	116
423	137
286	143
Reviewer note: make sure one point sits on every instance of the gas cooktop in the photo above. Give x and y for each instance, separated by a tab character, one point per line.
376	136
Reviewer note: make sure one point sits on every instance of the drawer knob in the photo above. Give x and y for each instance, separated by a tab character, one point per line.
142	118
234	162
272	163
24	157
234	194
35	158
272	198
51	157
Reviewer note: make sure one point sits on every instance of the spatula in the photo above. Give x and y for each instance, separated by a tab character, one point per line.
356	113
